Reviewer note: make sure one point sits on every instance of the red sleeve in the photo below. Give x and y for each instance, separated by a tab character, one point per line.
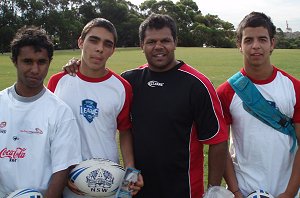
225	93
296	116
54	80
296	83
123	119
211	126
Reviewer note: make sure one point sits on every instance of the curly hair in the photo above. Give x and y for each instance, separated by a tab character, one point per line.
31	36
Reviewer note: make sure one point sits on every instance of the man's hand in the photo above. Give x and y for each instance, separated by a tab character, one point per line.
74	188
137	186
72	66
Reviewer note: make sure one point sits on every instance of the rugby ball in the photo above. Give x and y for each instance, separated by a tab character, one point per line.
260	194
97	177
25	193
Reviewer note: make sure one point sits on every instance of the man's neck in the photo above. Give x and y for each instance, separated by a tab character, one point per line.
259	73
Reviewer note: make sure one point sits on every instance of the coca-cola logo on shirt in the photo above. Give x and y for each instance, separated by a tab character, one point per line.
13	155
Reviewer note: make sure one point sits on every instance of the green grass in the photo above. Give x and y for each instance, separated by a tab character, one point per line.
216	63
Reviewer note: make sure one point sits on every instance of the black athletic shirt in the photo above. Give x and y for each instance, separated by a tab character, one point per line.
173	114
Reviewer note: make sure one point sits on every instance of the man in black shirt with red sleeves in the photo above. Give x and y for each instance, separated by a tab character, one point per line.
175	111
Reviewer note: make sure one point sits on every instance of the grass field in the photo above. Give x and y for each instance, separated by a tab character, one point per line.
217	64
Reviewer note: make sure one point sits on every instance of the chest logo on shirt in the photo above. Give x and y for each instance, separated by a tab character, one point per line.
89	110
13	155
154	83
34	131
2	126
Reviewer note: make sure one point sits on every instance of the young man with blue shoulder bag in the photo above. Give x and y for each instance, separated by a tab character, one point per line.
261	105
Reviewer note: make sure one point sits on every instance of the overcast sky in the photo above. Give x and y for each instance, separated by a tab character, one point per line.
233	11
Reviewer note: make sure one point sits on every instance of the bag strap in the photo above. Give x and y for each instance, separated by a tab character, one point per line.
255	104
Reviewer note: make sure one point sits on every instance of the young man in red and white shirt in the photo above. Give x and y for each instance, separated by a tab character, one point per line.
260	156
99	98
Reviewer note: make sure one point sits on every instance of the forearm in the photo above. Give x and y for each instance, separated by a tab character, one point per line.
230	176
57	184
294	182
127	148
216	163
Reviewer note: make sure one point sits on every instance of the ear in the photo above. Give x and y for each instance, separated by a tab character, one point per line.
273	42
15	64
112	52
80	43
142	46
240	48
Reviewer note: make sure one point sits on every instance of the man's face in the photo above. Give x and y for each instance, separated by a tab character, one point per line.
97	47
256	46
32	68
159	47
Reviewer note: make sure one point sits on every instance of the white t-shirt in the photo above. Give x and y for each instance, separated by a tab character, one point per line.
101	106
261	155
38	137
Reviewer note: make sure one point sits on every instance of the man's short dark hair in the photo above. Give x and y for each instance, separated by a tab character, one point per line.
100	22
158	21
255	19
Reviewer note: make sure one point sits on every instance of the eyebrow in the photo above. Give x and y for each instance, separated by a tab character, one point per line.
98	39
95	37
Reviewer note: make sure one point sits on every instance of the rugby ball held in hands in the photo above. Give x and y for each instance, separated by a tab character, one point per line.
260	194
97	177
25	193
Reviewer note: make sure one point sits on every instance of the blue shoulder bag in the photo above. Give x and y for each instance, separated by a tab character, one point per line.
255	104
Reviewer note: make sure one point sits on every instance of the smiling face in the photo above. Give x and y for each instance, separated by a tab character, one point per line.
32	68
159	46
256	46
97	47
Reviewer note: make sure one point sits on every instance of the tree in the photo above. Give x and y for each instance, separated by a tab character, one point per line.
9	23
64	20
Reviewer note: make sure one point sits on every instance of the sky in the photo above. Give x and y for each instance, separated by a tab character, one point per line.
233	11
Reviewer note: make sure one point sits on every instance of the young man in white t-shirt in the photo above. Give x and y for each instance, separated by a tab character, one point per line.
39	136
99	98
260	156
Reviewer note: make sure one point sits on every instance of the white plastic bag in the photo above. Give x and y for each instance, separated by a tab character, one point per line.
218	192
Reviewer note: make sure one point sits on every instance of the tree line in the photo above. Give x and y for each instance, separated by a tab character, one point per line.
64	20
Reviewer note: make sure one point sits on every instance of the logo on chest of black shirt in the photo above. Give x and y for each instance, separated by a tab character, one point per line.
154	83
